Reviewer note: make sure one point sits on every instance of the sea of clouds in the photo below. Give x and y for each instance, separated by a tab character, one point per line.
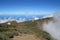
53	27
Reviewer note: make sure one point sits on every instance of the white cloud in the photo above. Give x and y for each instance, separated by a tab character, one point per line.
3	21
21	20
35	18
46	16
29	12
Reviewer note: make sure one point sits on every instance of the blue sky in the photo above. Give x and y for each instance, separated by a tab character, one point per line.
29	7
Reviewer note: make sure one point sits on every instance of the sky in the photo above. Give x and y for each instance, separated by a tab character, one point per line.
29	7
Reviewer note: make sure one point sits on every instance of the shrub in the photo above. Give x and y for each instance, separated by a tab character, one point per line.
4	37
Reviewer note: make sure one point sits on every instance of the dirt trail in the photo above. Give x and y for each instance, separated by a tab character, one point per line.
26	37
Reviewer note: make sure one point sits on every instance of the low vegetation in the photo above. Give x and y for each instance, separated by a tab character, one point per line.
9	31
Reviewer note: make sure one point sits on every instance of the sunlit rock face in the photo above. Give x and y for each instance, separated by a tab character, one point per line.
53	26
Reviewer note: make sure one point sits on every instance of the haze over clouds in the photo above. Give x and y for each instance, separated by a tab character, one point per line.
29	7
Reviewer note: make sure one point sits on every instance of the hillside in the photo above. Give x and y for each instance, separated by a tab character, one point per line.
12	30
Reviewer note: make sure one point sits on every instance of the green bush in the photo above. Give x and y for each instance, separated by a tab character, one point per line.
10	33
4	37
43	34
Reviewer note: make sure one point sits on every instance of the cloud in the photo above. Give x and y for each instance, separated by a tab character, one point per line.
29	12
21	20
3	21
47	16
